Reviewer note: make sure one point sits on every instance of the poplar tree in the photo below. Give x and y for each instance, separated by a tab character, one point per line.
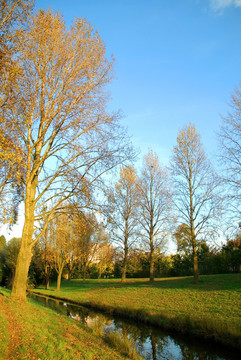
155	204
122	212
195	184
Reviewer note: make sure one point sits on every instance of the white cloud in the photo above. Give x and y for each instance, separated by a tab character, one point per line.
219	5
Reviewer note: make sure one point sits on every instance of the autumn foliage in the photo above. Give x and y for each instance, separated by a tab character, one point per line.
64	139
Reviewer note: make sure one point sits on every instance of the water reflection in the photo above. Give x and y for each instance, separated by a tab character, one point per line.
151	343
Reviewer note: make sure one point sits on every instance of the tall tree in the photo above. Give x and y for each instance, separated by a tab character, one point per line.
230	144
122	212
196	195
85	226
74	254
60	243
104	255
104	251
47	254
67	138
155	203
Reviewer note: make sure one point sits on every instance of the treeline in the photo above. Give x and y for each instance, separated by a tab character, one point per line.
44	271
226	259
70	245
106	262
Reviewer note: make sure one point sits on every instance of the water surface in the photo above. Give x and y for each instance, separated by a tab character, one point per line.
151	342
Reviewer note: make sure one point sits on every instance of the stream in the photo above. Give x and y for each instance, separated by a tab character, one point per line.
151	342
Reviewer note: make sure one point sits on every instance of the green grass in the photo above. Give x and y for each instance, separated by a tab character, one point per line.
39	333
210	309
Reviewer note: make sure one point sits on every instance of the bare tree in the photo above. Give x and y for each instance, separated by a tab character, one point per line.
74	254
105	254
104	251
60	243
47	254
230	144
196	196
122	212
67	138
85	227
155	202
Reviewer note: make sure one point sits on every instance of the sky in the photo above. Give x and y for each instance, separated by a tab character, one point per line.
176	62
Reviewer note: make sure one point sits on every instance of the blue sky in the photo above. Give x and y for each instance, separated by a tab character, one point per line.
177	61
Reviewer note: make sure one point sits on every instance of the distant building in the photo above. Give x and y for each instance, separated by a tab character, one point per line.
101	252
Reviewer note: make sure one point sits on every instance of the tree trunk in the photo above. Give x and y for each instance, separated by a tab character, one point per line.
47	284
59	280
21	274
193	236
25	253
47	276
195	266
152	265
84	272
194	252
124	269
123	277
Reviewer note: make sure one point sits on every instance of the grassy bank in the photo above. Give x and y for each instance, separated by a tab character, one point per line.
211	309
29	331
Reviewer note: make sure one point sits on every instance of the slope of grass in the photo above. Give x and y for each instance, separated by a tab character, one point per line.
40	333
4	337
211	309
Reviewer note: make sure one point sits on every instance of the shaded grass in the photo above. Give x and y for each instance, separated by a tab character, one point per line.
44	334
210	309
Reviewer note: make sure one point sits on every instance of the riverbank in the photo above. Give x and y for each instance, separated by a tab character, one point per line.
29	331
210	309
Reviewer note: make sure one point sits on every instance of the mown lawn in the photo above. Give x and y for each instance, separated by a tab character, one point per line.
29	331
211	309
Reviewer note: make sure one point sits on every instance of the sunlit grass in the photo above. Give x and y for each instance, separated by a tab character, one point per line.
211	309
4	335
44	334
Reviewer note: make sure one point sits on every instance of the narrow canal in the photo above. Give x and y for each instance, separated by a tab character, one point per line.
151	342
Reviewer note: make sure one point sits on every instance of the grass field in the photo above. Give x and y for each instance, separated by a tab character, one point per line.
211	309
29	331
